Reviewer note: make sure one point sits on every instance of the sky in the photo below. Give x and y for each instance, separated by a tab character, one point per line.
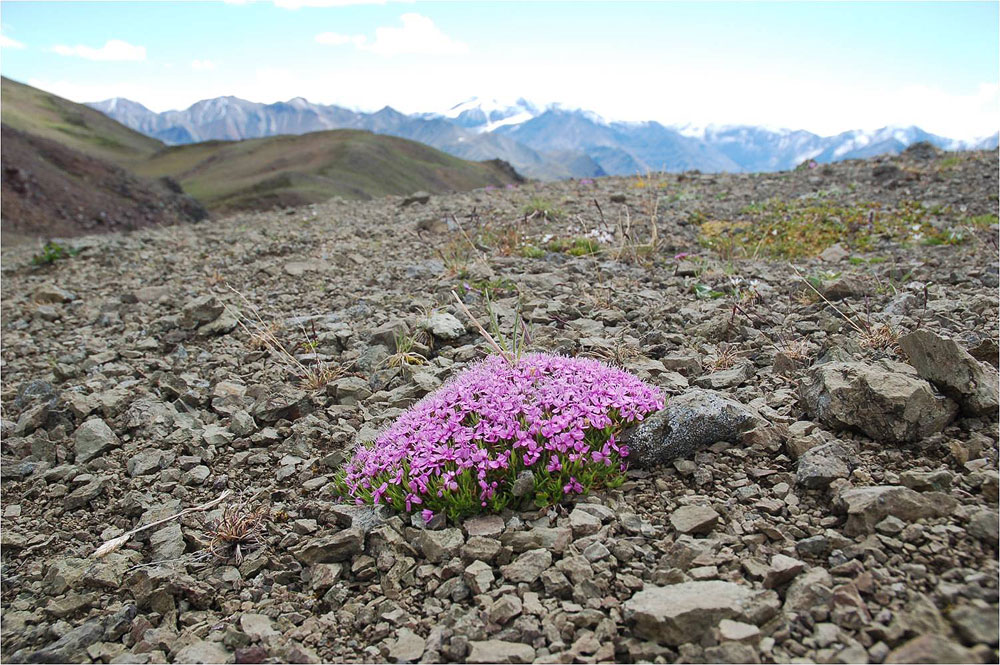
823	67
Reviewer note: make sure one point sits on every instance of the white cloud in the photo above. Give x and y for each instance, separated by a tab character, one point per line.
7	42
113	50
417	36
202	65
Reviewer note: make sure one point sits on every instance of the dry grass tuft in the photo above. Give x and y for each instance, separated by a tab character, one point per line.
726	356
239	531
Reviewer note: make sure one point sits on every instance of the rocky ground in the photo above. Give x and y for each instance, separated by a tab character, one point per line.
821	487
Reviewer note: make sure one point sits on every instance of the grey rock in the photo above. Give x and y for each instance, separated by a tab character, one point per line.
84	494
924	481
931	649
818	467
349	390
93	438
810	589
200	311
783	569
696	519
524	485
846	286
202	652
727	378
884	404
555	539
487	526
71	647
583	523
737	631
340	546
478	576
408	647
867	506
148	461
954	371
984	525
528	567
689	423
504	608
480	548
167	543
285	402
976	625
685	612
443	326
499	651
438	546
257	626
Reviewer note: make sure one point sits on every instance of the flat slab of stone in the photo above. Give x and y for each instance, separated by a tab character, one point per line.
686	612
499	651
694	519
867	506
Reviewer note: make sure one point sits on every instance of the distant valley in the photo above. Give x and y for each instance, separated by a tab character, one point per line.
545	143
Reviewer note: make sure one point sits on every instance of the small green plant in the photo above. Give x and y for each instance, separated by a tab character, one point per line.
532	252
405	356
539	207
706	292
981	221
584	247
52	252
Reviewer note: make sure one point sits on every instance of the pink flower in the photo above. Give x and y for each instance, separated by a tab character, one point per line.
495	417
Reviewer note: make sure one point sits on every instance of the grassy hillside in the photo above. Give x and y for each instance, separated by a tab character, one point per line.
294	170
57	152
75	126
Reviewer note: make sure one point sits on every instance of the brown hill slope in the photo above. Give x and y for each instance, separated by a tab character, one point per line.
258	174
49	190
73	125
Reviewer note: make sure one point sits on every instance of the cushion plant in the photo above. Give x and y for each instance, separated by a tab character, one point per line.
460	449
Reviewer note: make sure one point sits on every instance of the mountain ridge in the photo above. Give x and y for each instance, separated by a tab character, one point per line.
546	143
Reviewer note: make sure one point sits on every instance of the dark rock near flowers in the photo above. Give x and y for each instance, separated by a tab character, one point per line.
524	485
689	423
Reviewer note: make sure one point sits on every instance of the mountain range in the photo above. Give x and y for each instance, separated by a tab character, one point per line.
545	143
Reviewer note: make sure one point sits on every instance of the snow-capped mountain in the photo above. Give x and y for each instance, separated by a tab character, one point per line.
546	143
486	115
